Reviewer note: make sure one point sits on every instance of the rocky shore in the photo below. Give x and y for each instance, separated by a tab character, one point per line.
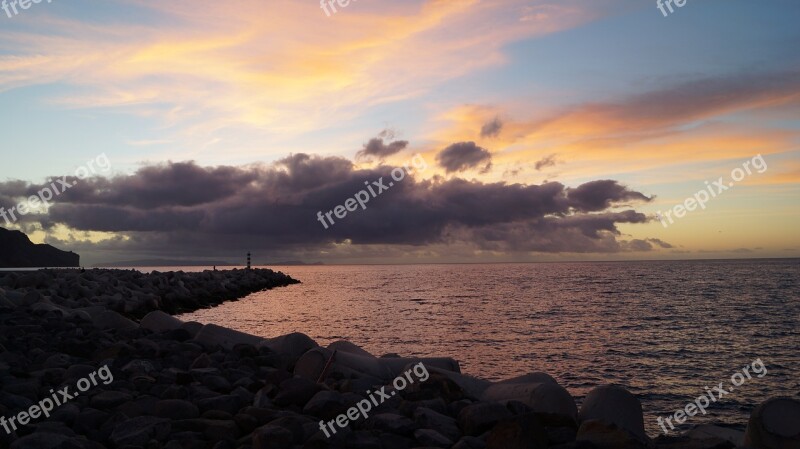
133	293
183	385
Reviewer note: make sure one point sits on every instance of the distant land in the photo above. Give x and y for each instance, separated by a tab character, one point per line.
17	251
189	263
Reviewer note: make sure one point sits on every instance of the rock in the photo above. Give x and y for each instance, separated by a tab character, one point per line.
294	345
774	424
616	407
325	404
392	423
272	437
139	431
470	443
296	424
217	383
393	441
430	419
437	405
159	321
472	386
176	409
607	435
211	334
436	386
477	418
346	346
521	432
109	399
538	391
113	320
227	403
295	391
706	431
356	363
46	440
57	361
432	438
687	442
202	361
360	440
215	429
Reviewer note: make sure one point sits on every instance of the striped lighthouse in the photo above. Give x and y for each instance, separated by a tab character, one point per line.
248	260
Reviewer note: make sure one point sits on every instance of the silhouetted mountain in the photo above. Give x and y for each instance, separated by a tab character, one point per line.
17	251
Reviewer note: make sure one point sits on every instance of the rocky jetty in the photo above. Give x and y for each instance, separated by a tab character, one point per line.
133	293
184	385
17	251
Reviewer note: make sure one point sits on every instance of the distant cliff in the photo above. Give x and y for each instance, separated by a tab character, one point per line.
17	251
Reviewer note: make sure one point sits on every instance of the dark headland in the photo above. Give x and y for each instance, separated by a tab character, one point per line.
17	251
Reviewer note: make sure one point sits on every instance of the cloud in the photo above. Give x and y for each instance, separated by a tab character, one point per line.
595	196
380	150
181	207
267	75
661	243
463	156
547	161
492	128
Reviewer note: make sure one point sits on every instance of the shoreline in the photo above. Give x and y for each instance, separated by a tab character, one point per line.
191	385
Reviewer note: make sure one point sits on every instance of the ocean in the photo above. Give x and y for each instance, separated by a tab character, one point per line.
665	330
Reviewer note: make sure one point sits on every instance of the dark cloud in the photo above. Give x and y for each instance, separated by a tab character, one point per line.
463	156
182	208
378	148
595	196
661	243
492	128
548	161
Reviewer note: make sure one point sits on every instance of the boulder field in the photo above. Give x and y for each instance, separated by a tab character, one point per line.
185	385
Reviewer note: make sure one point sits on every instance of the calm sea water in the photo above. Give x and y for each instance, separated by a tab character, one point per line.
665	330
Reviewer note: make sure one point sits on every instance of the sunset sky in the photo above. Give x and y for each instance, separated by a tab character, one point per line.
551	130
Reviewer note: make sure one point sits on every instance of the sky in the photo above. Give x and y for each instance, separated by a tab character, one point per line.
402	132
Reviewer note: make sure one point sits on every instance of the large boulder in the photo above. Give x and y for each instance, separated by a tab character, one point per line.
159	321
610	415
538	391
348	360
211	334
774	424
